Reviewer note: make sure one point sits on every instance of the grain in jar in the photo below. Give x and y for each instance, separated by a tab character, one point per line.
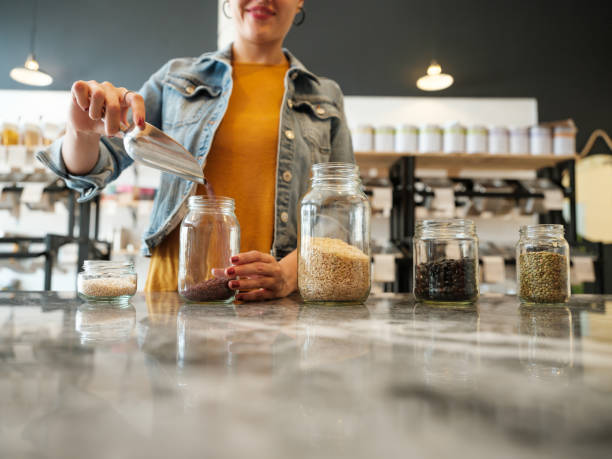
107	281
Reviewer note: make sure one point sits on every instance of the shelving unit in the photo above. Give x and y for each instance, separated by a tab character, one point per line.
403	170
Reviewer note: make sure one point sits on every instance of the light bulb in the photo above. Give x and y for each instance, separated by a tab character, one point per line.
30	74
435	80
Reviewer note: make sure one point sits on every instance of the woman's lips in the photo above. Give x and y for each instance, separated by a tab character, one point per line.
260	13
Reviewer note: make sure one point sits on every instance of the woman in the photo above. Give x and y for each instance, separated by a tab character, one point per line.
252	113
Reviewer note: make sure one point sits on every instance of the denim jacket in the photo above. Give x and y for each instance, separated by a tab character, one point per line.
187	98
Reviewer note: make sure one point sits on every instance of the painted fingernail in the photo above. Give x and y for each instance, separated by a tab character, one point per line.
235	259
234	284
231	271
141	122
86	109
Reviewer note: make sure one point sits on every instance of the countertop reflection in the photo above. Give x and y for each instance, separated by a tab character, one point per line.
161	378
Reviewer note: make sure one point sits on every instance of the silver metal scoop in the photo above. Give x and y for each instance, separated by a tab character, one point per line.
152	147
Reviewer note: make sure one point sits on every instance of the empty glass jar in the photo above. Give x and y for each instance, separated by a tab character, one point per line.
334	237
210	236
108	281
445	261
543	267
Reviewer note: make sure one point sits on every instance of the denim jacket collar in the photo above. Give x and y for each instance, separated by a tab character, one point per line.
208	61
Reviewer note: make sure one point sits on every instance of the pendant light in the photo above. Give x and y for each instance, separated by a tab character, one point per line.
30	73
435	80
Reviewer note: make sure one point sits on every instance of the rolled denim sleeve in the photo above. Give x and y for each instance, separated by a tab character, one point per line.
341	142
111	161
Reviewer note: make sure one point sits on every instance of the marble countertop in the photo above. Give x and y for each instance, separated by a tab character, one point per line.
280	379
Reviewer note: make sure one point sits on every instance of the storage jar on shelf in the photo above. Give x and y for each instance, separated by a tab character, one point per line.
564	140
334	237
445	253
519	140
543	267
499	140
384	138
430	138
476	141
454	138
210	236
540	141
364	138
406	139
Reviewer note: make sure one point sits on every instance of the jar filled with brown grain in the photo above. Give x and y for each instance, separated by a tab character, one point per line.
445	257
210	236
543	267
334	237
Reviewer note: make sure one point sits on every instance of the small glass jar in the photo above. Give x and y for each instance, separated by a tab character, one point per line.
499	140
540	140
107	281
334	237
445	253
406	139
210	236
430	138
543	266
454	138
476	141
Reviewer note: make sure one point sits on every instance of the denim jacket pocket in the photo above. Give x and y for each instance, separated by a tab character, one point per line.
187	99
315	119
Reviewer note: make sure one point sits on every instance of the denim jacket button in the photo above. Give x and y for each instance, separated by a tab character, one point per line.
284	217
293	75
189	89
287	176
290	103
289	134
320	110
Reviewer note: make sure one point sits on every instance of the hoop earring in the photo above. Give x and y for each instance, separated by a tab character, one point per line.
226	3
299	19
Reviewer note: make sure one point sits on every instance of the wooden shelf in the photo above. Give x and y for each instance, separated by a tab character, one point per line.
453	163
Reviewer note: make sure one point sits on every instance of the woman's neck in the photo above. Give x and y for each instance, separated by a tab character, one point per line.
257	53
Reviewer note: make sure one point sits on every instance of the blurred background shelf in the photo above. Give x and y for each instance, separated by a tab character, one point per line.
454	163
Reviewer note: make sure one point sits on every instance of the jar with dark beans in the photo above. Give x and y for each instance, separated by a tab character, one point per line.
209	290
446	280
445	261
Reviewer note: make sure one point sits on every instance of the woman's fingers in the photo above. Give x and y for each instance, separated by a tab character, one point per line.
112	109
252	257
136	102
254	269
80	94
97	101
248	284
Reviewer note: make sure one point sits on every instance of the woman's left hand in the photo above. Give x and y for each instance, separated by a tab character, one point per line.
263	276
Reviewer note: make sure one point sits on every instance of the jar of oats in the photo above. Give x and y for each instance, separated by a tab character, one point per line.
543	267
334	237
108	281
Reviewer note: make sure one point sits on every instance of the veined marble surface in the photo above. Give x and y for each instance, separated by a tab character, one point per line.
280	379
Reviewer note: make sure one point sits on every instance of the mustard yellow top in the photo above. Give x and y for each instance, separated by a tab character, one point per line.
241	164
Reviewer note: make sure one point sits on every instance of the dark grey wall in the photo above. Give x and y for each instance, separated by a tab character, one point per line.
557	51
121	41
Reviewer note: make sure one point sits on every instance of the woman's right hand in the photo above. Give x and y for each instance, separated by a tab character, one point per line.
100	108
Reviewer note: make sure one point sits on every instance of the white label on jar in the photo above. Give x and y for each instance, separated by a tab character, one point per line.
582	270
494	269
553	199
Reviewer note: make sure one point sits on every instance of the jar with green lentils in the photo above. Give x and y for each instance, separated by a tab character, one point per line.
542	260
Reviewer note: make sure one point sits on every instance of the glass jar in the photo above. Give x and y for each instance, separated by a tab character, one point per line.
406	138
364	138
445	253
384	139
430	138
543	267
107	281
519	140
454	138
540	140
334	237
210	236
499	141
564	140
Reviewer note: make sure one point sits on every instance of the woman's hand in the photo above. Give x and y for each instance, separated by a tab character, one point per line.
96	109
262	275
100	107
